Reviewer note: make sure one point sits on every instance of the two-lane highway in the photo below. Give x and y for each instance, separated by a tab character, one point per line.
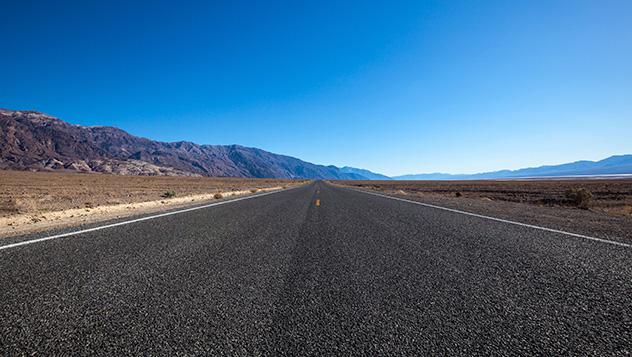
281	274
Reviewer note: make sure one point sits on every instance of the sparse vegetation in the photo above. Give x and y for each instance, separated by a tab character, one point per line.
253	190
218	196
579	197
25	194
169	194
610	196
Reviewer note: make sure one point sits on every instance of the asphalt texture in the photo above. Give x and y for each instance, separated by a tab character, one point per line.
279	275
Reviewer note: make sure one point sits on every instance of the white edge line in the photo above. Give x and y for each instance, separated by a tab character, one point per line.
37	240
497	219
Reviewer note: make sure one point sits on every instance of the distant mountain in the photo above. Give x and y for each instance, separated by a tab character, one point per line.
364	173
31	140
614	165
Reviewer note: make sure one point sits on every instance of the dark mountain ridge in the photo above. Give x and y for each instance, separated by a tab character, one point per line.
31	140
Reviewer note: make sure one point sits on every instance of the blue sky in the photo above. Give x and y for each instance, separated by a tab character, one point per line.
394	87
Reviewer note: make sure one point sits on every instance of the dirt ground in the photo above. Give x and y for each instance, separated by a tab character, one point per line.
43	200
539	202
609	196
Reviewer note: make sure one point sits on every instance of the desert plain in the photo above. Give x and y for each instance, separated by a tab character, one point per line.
34	201
543	202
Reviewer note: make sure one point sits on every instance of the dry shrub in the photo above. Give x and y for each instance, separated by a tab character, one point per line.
254	190
169	194
26	205
579	197
218	196
9	206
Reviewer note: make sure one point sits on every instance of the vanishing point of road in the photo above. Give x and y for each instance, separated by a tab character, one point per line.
279	274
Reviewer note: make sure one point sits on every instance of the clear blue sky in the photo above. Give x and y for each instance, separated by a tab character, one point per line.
394	87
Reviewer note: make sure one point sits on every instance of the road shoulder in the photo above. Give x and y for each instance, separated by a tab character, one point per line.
32	223
577	221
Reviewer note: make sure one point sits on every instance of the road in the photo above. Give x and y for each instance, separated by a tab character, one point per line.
278	275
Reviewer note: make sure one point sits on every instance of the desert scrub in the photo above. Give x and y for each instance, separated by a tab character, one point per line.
579	197
169	194
253	190
217	196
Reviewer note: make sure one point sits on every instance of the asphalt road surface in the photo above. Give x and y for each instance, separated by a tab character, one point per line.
280	275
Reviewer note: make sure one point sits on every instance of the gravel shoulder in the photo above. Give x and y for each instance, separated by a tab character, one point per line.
37	201
602	221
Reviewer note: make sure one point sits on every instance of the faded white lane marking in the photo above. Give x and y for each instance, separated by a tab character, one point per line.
37	240
601	240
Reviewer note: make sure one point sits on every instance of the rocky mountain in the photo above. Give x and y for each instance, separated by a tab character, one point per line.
614	165
32	140
364	173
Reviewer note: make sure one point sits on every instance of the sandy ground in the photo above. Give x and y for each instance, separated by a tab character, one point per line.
538	202
37	201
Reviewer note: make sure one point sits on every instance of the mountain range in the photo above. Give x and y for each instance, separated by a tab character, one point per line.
31	140
613	165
